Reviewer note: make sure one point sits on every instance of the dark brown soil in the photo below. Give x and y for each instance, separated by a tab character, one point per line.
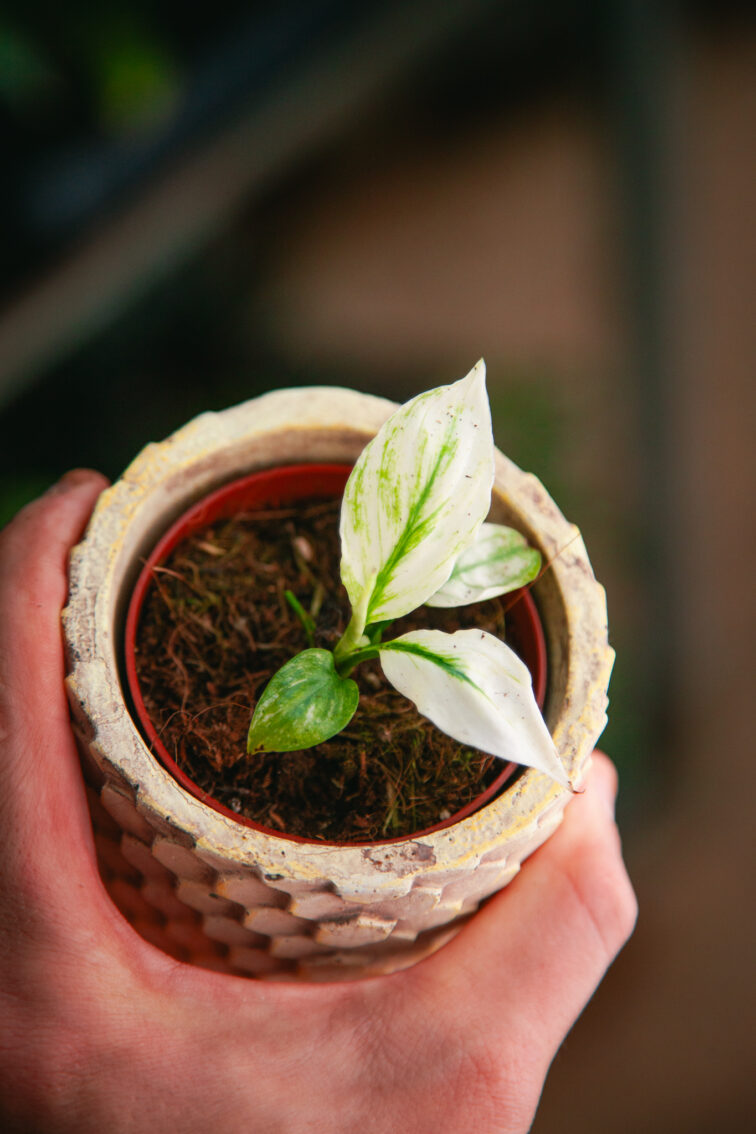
214	628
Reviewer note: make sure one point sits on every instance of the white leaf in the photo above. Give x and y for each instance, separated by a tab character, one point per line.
497	562
417	495
475	688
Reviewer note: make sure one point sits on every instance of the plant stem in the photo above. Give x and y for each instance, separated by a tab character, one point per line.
346	663
352	637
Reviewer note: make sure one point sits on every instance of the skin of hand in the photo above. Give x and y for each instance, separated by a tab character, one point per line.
101	1031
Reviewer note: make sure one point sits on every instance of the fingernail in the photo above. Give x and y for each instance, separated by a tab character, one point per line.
71	479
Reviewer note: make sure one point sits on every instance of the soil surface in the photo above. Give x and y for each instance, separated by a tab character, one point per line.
216	625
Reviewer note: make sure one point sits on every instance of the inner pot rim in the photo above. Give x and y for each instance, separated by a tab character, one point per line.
293	484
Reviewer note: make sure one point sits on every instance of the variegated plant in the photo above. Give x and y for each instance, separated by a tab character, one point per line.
413	533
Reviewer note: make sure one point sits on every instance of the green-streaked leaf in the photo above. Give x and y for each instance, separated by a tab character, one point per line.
475	688
417	495
497	562
303	704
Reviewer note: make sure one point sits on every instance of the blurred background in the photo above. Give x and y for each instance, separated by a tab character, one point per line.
200	206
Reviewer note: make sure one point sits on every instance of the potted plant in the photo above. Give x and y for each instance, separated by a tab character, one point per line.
235	589
272	904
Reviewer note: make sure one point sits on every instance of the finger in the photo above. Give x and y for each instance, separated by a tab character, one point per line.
41	796
34	552
536	952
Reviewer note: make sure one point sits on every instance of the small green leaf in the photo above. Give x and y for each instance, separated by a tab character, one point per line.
308	623
375	632
474	688
499	561
416	497
303	704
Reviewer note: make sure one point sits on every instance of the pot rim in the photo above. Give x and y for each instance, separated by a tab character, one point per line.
331	424
284	484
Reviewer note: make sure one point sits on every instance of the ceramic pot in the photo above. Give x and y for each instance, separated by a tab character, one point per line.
217	892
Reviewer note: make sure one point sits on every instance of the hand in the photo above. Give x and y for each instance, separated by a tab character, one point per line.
103	1032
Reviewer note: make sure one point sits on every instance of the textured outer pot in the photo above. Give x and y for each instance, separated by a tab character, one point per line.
212	891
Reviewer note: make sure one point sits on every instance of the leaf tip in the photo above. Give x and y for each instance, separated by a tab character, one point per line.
478	373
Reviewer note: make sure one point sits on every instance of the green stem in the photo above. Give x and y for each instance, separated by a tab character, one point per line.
350	639
347	643
346	663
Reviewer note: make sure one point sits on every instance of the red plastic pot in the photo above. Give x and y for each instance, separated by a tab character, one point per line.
274	488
